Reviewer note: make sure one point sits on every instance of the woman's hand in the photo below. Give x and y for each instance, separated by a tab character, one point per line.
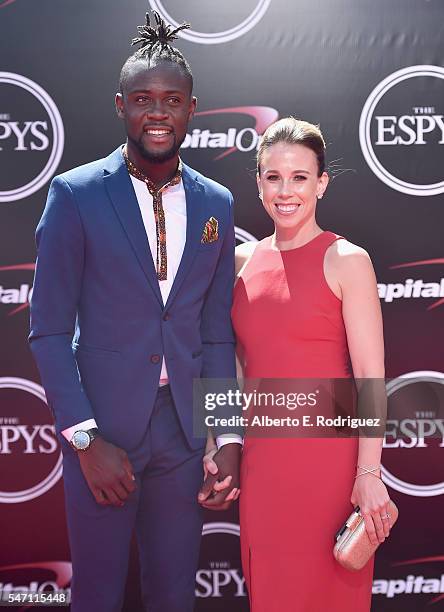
211	471
209	466
371	495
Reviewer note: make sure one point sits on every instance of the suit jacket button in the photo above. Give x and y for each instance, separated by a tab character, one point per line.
166	316
155	358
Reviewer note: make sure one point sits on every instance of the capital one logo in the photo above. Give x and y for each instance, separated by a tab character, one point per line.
215	133
415	434
16	298
29	452
414	583
401	130
31	137
252	13
414	288
42	577
219	578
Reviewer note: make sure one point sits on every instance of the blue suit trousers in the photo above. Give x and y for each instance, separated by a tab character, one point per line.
163	511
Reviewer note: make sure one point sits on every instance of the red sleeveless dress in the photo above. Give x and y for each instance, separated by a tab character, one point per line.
295	491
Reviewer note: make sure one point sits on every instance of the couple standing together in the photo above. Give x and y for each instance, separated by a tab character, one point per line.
132	300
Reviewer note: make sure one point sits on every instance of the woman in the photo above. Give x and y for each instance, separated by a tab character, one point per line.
305	306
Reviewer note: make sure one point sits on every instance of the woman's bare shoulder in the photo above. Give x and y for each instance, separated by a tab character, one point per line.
243	253
344	252
348	261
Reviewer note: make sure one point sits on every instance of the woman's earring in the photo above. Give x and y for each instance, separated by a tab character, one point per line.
319	196
260	195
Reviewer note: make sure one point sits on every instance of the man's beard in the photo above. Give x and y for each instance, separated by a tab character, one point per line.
161	157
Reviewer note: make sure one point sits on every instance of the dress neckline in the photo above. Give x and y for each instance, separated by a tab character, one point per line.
302	246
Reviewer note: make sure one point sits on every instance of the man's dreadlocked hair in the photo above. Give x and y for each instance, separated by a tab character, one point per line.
155	41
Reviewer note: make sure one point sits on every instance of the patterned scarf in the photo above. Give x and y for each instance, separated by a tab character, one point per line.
159	214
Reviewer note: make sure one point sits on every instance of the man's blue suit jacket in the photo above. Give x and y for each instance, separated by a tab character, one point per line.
99	327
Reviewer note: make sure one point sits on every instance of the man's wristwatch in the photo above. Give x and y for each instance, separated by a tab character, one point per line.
81	440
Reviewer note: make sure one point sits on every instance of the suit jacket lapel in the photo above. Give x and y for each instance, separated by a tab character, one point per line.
195	203
123	198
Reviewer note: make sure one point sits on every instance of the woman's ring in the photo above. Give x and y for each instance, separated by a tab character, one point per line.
385	516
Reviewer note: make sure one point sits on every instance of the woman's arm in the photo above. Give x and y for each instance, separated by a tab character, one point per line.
242	254
211	443
349	270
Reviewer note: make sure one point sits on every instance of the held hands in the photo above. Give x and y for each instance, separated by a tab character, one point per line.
370	494
108	472
221	482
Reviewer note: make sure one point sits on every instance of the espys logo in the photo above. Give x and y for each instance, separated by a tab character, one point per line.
243	236
413	585
16	298
250	13
401	130
30	455
415	425
31	137
413	288
241	138
218	578
44	577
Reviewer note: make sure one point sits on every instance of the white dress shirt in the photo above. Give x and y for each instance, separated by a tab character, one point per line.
174	206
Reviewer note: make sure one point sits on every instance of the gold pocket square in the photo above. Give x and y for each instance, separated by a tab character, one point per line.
210	233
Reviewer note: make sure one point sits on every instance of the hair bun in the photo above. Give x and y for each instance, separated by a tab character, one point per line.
161	33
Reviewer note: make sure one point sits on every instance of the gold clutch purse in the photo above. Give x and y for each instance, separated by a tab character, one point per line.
353	548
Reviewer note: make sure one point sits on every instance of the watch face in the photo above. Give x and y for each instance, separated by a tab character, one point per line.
80	440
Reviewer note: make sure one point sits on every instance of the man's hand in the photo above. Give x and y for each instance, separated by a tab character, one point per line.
108	472
221	477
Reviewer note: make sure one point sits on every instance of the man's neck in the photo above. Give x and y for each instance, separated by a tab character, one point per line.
160	173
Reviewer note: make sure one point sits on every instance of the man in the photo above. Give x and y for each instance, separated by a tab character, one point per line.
131	301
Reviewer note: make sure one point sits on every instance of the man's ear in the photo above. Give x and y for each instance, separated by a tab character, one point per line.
193	106
119	105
